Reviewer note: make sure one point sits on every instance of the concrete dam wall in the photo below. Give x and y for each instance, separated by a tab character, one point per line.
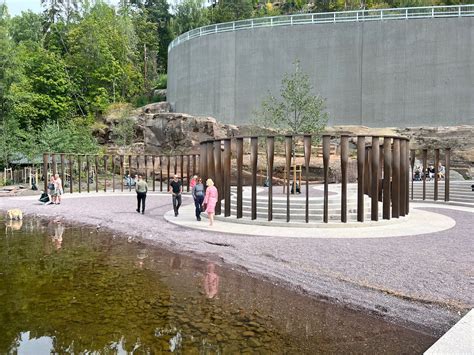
401	73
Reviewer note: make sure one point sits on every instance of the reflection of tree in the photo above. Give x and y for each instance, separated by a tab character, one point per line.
84	298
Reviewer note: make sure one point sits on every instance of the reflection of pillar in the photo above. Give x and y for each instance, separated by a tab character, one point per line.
360	177
436	177
403	170
326	148
45	170
344	161
253	163
307	159
396	178
240	160
227	175
374	207
387	176
270	160
447	164
288	148
218	174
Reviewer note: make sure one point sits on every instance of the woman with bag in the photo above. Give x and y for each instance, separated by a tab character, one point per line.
210	200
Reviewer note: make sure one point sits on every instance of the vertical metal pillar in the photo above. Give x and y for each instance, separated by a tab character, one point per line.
425	171
211	167
270	161
79	164
71	174
181	170
88	167
54	165
168	168
63	163
307	159
447	163
188	171
360	177
374	207
396	178
403	171
288	150
153	172
344	161
175	165
218	174
113	173
412	166
240	162
227	175
122	172
407	176
253	163
387	176
160	160
106	157
203	161
326	153
194	164
146	167
436	177
45	171
96	173
130	171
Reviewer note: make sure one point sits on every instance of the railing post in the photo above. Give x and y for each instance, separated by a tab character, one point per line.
288	150
45	171
447	163
374	208
253	163
270	160
396	178
387	175
344	161
360	177
436	177
307	159
227	176
240	161
218	174
326	153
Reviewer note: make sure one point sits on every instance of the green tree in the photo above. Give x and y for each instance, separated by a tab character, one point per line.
189	14
231	10
298	110
27	27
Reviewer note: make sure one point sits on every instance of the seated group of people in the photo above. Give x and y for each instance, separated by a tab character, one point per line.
430	172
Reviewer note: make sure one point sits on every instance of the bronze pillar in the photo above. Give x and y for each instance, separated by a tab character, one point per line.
45	171
360	177
447	162
218	174
326	153
307	159
211	166
387	176
436	177
396	178
227	175
344	161
288	151
374	207
270	161
63	163
425	171
240	162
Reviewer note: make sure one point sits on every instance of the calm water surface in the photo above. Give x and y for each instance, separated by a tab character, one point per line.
66	289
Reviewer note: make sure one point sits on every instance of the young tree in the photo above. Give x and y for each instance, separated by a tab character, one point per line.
298	110
189	14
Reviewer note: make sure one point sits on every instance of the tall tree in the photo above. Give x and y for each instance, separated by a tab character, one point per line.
189	14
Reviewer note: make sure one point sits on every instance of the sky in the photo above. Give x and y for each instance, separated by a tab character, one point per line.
15	7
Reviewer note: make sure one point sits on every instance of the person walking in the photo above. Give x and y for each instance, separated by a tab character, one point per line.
51	191
198	196
193	182
176	188
141	187
210	200
58	188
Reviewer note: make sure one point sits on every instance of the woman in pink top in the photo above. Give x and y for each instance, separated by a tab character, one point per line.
193	182
210	200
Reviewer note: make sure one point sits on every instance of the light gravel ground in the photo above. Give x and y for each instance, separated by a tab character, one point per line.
423	281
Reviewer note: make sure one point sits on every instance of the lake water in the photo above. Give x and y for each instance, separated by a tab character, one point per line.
71	289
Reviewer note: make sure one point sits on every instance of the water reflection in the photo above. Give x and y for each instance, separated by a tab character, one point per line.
105	294
211	281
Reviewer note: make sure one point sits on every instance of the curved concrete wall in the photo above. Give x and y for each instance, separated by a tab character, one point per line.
382	73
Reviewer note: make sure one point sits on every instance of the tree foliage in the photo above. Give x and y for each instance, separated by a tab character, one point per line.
297	110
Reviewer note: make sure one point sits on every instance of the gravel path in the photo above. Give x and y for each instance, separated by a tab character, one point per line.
423	281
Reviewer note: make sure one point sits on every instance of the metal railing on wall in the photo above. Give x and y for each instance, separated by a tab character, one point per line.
329	17
80	172
383	172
